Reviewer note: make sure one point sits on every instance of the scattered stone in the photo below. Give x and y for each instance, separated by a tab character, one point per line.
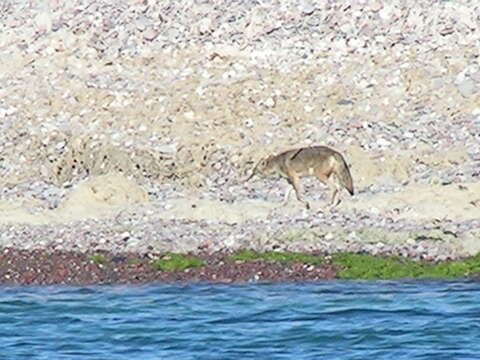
467	87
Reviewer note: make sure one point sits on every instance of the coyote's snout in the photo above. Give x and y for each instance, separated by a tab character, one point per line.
326	164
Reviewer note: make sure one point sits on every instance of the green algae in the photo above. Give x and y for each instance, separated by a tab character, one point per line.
282	257
97	259
134	261
361	266
176	262
369	267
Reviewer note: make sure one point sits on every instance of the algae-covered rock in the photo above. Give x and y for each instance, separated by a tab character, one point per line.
172	262
361	266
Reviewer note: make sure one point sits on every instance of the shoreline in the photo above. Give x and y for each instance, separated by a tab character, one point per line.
46	267
43	267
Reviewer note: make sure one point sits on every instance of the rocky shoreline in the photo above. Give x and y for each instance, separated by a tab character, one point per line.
127	126
43	267
47	267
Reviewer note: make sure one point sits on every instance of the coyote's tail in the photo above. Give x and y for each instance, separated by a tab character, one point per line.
343	173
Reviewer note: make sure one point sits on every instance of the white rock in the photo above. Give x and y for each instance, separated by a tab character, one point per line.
376	6
7	111
189	115
229	74
275	121
307	7
204	26
248	123
467	87
167	148
356	43
385	13
269	102
329	236
60	145
150	34
308	108
383	142
142	24
44	22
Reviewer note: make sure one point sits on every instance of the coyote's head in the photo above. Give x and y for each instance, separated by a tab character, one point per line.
263	168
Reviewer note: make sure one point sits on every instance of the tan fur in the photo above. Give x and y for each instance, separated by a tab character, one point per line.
326	164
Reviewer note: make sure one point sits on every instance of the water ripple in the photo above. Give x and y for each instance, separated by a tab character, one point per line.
327	320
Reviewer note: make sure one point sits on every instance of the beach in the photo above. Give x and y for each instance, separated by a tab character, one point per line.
128	126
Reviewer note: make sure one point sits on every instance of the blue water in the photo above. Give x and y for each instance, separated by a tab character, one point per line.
323	320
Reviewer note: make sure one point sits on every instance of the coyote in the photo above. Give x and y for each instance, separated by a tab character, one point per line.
326	164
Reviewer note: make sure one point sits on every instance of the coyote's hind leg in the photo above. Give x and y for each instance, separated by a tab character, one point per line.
332	183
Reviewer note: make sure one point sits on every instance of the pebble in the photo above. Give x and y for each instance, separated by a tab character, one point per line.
467	87
269	102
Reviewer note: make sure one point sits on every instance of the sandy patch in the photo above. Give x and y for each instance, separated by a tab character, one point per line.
424	202
105	196
14	213
101	196
98	197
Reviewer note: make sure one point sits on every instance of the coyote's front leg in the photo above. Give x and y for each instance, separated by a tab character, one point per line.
294	180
